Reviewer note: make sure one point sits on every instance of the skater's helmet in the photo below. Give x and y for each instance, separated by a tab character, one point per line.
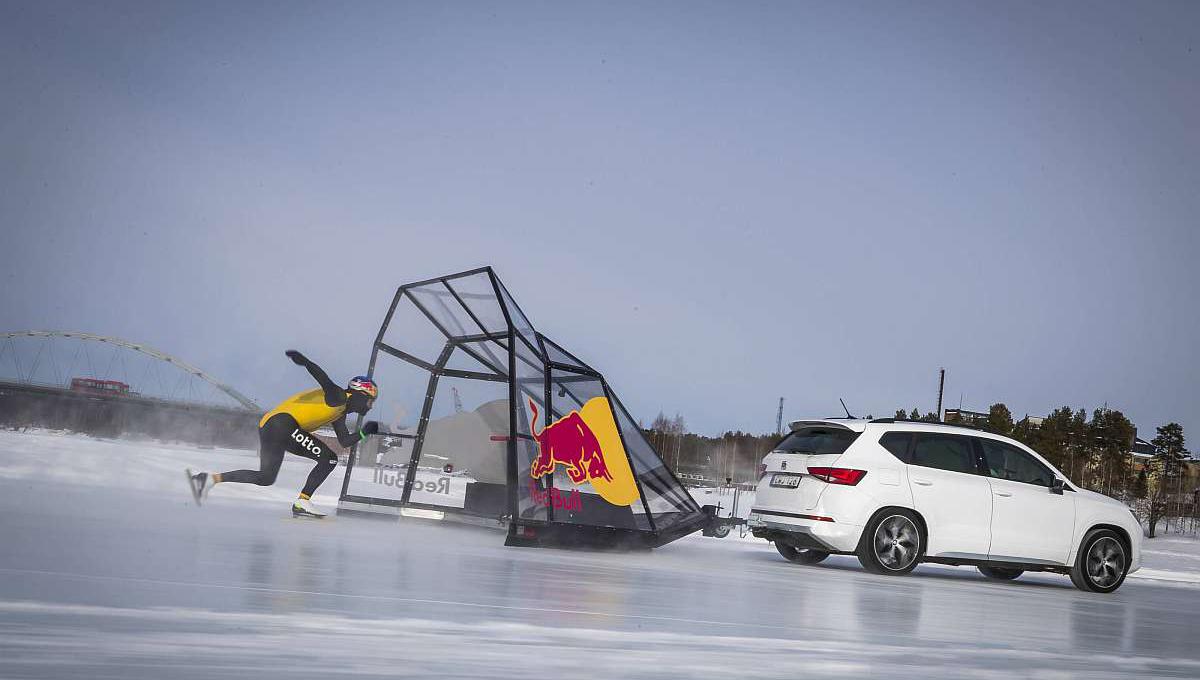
364	385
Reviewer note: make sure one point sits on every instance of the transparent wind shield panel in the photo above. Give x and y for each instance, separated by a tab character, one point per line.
527	354
479	296
411	332
668	501
402	388
582	465
532	494
491	354
488	358
559	355
531	385
519	321
463	454
445	311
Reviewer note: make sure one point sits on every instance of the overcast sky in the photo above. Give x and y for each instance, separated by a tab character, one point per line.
715	204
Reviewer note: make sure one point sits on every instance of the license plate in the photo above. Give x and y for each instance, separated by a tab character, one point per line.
786	481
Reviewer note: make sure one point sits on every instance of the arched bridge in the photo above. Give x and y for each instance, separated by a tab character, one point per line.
108	366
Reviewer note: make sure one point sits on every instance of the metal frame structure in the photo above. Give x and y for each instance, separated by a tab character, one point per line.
241	399
479	320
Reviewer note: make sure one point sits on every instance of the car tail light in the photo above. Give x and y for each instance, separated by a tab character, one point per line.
835	475
816	518
762	470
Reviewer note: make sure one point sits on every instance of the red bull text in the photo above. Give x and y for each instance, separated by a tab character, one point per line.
554	498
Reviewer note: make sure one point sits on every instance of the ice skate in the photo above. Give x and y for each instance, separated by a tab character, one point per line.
303	507
200	483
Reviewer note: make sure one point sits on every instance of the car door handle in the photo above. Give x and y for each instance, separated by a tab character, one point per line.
1006	494
922	482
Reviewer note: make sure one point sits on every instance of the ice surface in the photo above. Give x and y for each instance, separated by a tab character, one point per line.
109	571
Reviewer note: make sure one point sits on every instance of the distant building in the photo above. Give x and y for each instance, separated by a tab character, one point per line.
1141	447
695	479
1140	453
958	415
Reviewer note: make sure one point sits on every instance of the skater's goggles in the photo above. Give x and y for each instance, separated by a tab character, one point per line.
365	385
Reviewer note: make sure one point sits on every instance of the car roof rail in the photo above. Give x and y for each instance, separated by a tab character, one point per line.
965	426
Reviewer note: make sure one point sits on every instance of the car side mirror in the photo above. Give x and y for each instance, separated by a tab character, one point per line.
1056	486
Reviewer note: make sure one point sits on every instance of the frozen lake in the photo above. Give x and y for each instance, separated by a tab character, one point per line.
109	571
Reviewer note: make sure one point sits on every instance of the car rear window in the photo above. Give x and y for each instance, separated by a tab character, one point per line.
944	452
897	444
817	441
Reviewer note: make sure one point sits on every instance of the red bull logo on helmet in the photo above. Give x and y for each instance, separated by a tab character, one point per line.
587	444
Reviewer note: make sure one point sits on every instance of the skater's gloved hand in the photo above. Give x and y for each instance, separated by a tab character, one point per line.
370	427
296	357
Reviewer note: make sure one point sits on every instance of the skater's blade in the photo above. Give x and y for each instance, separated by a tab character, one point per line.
299	511
191	478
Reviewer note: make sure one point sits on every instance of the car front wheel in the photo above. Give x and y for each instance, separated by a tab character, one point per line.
1102	562
891	543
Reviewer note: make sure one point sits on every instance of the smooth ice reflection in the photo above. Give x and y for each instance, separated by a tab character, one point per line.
101	580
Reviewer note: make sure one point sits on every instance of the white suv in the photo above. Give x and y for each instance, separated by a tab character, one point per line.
896	493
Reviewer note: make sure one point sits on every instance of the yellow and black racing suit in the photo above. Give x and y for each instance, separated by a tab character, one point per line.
288	428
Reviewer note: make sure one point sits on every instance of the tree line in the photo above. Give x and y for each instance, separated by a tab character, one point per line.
732	455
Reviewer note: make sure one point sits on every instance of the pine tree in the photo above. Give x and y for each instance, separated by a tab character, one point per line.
901	415
1026	432
1141	484
1109	437
1169	449
1077	445
1169	456
999	420
1052	438
915	415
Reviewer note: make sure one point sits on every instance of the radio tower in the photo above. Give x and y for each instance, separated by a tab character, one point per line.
457	400
941	386
779	419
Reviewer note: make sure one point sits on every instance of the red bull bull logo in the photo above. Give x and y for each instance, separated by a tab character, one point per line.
588	446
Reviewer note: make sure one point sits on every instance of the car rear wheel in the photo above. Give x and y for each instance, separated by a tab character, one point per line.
891	542
1000	573
800	555
1102	562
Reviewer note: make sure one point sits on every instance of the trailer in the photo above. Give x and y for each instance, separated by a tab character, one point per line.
486	420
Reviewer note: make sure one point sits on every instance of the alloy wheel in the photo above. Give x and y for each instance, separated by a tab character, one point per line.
897	542
1105	562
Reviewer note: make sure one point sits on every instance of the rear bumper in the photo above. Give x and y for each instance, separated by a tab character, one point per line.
1135	560
804	533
